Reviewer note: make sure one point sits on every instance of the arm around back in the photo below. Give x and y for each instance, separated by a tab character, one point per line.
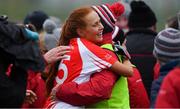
98	88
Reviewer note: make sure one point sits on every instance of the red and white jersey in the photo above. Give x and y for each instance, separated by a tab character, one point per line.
85	59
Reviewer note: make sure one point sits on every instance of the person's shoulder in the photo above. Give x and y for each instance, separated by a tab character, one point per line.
173	77
90	44
174	73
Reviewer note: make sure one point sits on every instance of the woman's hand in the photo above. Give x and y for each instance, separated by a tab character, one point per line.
56	54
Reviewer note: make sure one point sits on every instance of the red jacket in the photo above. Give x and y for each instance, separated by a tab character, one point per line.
137	91
98	88
37	85
169	94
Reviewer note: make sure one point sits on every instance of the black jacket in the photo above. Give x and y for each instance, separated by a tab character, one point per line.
12	88
18	49
140	44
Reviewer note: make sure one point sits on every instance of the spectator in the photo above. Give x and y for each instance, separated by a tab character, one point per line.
171	22
20	51
167	51
36	88
140	40
35	93
56	20
52	34
122	21
169	93
37	19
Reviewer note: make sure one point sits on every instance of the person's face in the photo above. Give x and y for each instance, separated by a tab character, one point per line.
94	29
122	22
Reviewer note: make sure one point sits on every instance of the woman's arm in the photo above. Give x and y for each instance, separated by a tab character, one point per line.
123	69
98	88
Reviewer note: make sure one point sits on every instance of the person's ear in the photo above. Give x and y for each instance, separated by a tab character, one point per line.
80	32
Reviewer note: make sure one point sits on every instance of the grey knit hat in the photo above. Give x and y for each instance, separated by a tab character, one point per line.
167	45
52	34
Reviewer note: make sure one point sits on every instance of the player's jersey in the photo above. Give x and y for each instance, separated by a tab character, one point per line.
85	59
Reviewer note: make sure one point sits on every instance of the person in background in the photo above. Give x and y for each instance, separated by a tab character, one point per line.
36	88
19	52
35	81
168	96
169	93
57	21
171	22
37	19
52	34
140	40
167	52
35	93
122	21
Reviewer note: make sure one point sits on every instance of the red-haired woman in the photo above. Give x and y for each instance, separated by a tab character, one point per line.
82	30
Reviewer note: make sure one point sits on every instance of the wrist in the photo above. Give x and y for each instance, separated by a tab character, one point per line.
46	62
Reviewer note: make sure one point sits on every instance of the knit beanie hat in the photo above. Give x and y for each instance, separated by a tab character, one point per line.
141	15
167	45
49	25
36	18
52	34
108	14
